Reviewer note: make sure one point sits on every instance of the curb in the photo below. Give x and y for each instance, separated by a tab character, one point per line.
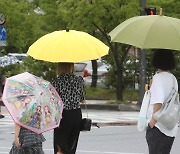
113	107
124	123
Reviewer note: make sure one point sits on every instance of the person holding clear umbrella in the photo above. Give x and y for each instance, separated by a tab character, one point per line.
1	90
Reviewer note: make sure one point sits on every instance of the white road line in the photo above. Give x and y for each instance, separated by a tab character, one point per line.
4	148
6	121
103	152
81	151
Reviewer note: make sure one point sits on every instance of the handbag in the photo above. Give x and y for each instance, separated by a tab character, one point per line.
142	118
86	122
169	113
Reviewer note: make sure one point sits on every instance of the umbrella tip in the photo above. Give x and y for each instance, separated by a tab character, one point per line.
67	29
160	12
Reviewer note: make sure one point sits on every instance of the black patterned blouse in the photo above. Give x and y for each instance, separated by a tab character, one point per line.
71	89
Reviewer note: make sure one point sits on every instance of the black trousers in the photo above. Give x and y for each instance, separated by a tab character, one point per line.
158	142
67	134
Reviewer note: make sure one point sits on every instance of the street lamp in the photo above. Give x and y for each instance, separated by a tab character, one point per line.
142	61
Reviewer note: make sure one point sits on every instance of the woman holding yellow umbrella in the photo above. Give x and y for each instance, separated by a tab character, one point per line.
71	89
67	47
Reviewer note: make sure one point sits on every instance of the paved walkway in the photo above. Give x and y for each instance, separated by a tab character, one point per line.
99	117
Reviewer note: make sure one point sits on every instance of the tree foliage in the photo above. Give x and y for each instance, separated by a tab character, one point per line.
96	17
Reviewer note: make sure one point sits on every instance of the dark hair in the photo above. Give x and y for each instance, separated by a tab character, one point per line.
163	59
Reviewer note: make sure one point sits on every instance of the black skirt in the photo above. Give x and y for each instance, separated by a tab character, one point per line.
67	134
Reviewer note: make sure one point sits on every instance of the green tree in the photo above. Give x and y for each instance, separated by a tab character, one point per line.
98	18
24	27
20	24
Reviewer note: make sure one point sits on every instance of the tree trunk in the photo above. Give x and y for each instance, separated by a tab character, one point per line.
94	74
119	81
118	61
120	72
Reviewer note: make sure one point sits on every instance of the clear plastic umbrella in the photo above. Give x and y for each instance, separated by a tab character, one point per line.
32	102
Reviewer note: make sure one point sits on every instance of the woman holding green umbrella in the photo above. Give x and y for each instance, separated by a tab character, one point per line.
159	138
71	89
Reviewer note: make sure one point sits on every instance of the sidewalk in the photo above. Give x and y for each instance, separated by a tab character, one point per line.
105	105
101	113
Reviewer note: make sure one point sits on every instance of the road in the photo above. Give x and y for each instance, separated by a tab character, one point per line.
104	140
117	140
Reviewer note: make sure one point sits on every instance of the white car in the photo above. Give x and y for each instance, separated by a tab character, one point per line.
19	56
85	69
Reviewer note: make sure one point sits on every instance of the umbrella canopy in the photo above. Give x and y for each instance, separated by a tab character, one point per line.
32	102
67	46
153	31
8	60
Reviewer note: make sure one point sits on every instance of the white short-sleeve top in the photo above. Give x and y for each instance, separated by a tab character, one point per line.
162	85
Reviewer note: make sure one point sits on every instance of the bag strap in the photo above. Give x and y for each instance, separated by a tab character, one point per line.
86	108
174	90
95	124
174	83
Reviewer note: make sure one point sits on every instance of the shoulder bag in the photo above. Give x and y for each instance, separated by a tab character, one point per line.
169	113
86	122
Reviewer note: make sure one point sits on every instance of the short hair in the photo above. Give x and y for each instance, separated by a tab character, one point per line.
163	59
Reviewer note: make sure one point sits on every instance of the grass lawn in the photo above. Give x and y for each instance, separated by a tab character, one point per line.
110	94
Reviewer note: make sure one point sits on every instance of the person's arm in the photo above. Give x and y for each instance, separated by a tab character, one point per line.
83	92
17	130
152	122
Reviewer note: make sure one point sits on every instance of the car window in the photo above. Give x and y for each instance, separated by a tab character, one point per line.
79	67
99	63
19	56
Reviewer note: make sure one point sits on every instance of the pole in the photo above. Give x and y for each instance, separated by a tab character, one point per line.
143	62
2	44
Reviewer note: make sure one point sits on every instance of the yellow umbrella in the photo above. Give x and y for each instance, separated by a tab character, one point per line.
67	46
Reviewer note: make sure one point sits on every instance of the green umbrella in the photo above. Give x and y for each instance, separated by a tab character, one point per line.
153	31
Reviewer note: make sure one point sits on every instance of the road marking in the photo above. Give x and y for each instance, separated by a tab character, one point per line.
6	121
4	148
106	152
8	148
81	151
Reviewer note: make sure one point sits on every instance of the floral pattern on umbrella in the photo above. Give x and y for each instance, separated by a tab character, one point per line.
32	102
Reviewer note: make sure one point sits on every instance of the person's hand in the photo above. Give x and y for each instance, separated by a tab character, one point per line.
152	123
150	83
17	142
